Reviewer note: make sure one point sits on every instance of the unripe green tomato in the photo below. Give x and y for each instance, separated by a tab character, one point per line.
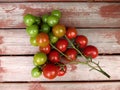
44	18
36	72
29	19
33	41
53	38
56	13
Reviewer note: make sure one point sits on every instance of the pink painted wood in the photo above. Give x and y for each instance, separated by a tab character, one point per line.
77	14
18	68
61	86
14	42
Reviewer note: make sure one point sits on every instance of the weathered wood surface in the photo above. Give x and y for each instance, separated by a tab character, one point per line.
61	86
61	0
18	68
14	42
74	14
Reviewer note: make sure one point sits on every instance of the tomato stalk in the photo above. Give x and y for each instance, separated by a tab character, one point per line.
99	69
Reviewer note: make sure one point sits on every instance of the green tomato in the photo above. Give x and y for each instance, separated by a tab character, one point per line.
40	58
32	30
29	19
56	13
53	39
45	28
33	41
36	72
52	20
37	19
44	18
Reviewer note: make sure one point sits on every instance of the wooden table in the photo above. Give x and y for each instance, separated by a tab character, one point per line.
99	20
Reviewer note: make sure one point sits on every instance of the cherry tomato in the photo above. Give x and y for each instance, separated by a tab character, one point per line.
32	30
52	20
71	53
50	71
71	33
53	39
59	30
56	13
54	56
40	58
81	41
90	51
37	20
45	28
29	19
42	39
33	41
62	44
46	49
44	18
36	72
61	69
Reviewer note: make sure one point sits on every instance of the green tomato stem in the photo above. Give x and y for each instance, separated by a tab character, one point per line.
99	69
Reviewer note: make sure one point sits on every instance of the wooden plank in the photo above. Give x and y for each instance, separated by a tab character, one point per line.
15	42
74	14
18	68
61	86
60	0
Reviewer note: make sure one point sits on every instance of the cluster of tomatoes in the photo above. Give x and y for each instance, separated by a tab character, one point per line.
55	41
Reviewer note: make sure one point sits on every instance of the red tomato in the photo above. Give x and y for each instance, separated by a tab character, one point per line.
90	51
46	49
71	53
42	39
81	41
61	69
62	45
54	56
71	33
50	71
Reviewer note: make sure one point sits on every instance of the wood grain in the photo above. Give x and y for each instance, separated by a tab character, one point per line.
74	14
18	68
60	0
61	86
16	42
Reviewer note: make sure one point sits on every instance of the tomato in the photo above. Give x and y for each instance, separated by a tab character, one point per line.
81	41
40	58
59	30
71	33
90	51
62	44
32	30
37	20
71	53
52	20
46	49
54	56
36	72
44	18
29	19
56	13
45	28
53	39
50	71
33	41
42	39
61	69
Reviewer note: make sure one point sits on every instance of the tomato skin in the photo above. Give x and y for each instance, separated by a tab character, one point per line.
50	71
33	41
59	30
36	72
62	44
71	53
56	13
71	33
53	39
81	41
42	39
90	51
54	56
61	69
46	49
